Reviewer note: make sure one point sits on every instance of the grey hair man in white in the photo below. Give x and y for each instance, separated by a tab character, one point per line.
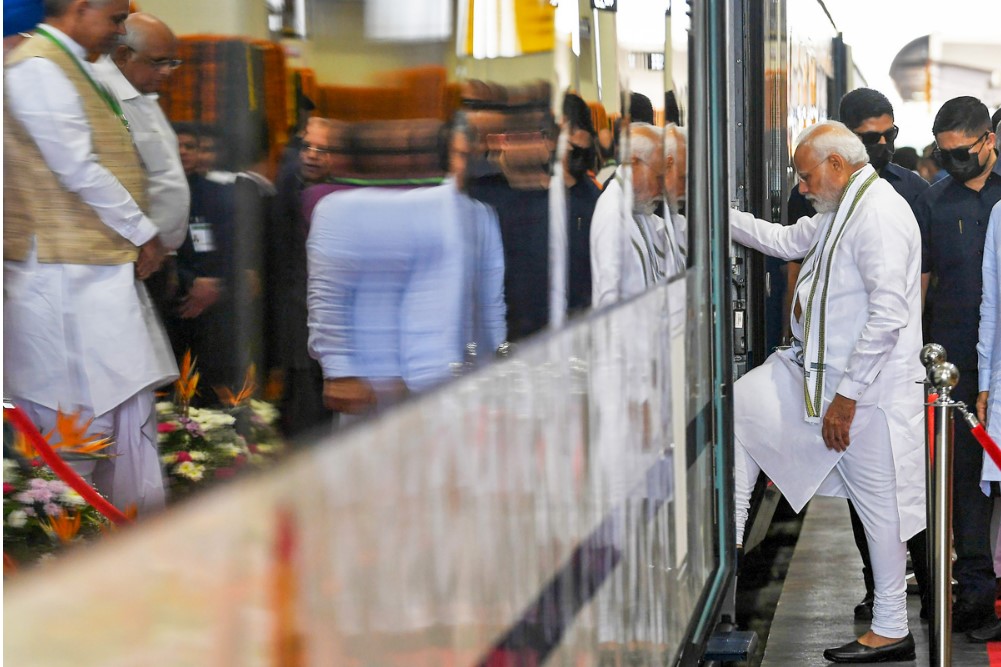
628	238
839	412
134	73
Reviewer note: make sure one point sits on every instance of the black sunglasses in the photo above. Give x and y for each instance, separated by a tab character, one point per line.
961	154
872	138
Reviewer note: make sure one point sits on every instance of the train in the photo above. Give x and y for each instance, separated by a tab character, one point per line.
568	503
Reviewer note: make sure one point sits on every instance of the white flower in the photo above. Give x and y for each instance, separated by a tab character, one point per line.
266	411
190	470
165	408
198	455
72	498
10	471
17	519
211	419
167	459
229	449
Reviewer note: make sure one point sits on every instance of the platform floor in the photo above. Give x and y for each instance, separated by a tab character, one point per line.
821	590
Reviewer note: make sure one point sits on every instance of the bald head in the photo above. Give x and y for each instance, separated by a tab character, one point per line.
148	53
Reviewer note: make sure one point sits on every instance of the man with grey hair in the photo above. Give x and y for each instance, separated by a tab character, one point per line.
134	73
839	412
629	241
76	245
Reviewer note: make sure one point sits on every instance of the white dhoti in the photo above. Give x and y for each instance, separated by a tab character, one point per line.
131	476
771	435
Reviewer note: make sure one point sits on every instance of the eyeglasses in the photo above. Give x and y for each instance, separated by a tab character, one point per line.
159	63
805	175
872	138
322	150
961	154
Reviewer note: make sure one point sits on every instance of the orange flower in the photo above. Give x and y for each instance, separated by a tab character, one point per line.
248	389
73	435
23	446
187	383
65	526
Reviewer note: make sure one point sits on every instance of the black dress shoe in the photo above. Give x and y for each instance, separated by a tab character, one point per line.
860	653
989	633
863	610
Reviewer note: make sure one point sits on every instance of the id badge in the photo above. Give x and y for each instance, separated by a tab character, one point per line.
201	236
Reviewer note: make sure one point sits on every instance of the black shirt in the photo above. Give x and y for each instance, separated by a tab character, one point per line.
953	221
581	200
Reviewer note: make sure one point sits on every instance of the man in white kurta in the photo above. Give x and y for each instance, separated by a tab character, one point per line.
76	336
631	247
135	73
840	412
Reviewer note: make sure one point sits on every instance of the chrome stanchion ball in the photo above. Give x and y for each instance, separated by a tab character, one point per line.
943	376
932	354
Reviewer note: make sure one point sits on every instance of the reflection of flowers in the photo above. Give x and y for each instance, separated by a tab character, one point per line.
41	513
209	444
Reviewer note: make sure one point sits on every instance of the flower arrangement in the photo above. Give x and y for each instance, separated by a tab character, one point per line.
198	445
42	514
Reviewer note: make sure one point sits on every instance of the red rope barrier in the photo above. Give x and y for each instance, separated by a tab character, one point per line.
987	442
930	421
23	423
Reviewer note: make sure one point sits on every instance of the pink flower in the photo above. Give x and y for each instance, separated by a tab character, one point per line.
182	456
252	447
166	427
8	488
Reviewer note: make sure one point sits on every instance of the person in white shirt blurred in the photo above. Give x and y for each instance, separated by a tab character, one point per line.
76	246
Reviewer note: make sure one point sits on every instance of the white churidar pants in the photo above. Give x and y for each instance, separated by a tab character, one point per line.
132	475
867	474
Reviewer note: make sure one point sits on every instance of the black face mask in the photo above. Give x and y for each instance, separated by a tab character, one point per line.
880	155
962	171
579	160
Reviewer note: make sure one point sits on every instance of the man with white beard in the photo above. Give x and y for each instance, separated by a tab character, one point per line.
839	412
631	252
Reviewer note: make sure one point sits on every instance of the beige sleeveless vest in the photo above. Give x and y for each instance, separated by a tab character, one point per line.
67	230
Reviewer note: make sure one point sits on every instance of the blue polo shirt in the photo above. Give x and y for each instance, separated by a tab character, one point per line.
953	221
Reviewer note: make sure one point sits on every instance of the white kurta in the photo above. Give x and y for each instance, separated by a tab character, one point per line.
989	343
77	336
873	342
630	250
156	143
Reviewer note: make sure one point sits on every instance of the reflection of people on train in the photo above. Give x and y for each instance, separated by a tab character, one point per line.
321	155
582	195
77	332
202	317
857	332
675	181
396	303
629	242
134	73
607	155
952	215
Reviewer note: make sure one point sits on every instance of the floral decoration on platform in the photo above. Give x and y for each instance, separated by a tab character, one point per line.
42	514
199	445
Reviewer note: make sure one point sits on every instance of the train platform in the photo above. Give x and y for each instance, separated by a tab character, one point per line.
823	585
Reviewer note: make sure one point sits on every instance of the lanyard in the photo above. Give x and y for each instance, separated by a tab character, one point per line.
99	89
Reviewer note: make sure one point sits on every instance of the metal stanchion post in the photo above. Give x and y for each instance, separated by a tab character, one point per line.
932	354
943	376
